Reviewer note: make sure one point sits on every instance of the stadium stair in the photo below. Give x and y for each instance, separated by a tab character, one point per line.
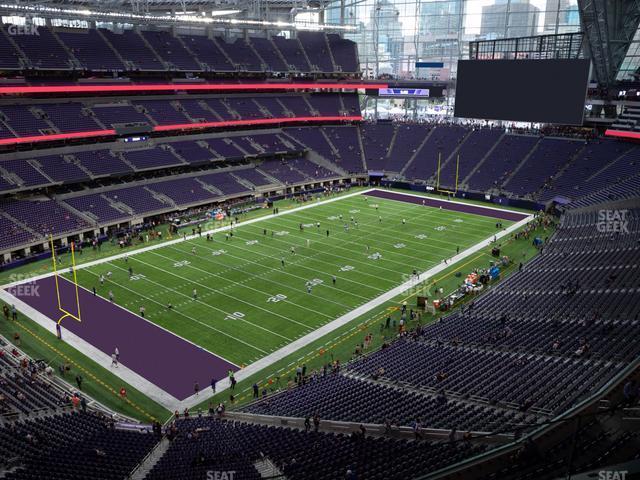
242	181
124	159
161	197
263	62
238	145
264	110
71	159
628	119
19	223
363	157
126	63
120	206
464	181
289	142
220	45
288	112
84	215
93	115
323	162
180	40
75	63
147	464
40	114
333	60
230	109
271	178
162	61
607	166
392	142
334	149
277	51
10	177
267	469
24	60
210	188
172	149
38	167
206	106
312	110
306	57
565	167
417	152
524	160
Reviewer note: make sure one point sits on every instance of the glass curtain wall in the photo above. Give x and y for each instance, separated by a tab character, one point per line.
631	61
395	34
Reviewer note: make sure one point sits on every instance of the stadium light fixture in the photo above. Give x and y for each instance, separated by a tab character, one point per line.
194	19
220	13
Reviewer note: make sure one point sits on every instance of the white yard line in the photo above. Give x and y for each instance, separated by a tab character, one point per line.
348	317
179	312
459	202
264	277
98	356
232	297
398	227
131	253
170	402
428	222
358	237
349	260
288	262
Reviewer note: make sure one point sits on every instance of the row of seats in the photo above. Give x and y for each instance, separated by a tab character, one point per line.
530	348
22	388
72	446
207	444
35	119
104	50
412	149
82	166
533	167
33	220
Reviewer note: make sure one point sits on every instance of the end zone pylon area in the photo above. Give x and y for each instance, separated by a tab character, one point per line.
72	269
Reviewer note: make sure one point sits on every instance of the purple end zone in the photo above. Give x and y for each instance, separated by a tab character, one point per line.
168	361
456	207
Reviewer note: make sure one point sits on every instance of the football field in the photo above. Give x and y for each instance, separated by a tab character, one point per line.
244	296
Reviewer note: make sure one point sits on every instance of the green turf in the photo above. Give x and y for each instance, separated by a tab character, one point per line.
109	249
340	344
241	312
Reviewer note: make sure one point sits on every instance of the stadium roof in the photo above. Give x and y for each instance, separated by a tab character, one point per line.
174	5
253	14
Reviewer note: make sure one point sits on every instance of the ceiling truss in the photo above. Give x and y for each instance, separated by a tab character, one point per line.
609	27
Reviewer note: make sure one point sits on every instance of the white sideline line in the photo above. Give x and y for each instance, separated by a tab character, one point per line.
171	403
132	378
131	253
348	317
458	202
